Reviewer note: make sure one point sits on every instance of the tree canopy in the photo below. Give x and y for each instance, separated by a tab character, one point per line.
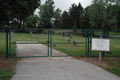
101	14
18	9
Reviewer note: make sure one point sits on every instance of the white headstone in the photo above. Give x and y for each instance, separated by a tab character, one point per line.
4	36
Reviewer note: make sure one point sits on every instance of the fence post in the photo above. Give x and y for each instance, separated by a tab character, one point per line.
7	42
88	41
85	41
51	43
10	55
48	42
103	36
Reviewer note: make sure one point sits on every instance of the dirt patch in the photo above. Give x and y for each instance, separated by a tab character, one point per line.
8	63
105	62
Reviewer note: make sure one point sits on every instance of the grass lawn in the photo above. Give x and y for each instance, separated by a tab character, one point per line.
2	44
6	74
115	69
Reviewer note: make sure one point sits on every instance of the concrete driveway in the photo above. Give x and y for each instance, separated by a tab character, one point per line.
59	68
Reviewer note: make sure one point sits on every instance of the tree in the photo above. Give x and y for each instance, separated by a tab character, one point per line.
19	9
57	18
103	14
84	19
46	13
65	20
75	12
118	19
31	21
97	14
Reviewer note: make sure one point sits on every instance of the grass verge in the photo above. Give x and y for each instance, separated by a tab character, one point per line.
6	74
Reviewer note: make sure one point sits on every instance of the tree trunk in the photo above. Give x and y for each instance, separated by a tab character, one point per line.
107	34
20	26
23	25
116	28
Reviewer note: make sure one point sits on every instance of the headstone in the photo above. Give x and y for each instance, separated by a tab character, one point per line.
3	36
69	40
30	32
42	33
75	43
14	31
66	39
34	37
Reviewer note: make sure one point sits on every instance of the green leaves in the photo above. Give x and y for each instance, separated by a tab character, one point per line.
19	9
103	14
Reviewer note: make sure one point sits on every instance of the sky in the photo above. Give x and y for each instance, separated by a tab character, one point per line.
65	4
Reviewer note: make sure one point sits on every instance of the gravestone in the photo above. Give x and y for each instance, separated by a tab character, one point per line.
30	32
14	31
69	40
4	36
75	43
42	33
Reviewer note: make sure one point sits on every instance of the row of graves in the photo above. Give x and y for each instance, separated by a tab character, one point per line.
31	33
11	33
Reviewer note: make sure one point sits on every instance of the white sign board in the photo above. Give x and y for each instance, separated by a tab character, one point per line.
100	44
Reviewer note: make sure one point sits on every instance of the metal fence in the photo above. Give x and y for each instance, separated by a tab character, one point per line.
56	42
114	42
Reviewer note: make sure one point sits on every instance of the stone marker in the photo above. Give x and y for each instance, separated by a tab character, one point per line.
42	34
75	43
4	36
69	40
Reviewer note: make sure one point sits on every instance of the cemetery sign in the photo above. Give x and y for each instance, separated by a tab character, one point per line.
100	44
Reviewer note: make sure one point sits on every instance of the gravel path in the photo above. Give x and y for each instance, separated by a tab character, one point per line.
57	68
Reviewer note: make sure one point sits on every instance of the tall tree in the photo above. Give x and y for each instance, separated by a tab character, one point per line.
97	14
75	12
19	9
103	14
31	21
65	20
84	18
47	13
57	19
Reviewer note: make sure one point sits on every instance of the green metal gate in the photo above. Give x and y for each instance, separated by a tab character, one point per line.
28	37
74	44
57	45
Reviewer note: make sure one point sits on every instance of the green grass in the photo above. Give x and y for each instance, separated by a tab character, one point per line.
115	69
2	44
6	74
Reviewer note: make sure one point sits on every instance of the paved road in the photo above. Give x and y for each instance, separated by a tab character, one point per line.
59	68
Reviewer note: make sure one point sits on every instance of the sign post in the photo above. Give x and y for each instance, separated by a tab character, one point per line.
99	44
66	34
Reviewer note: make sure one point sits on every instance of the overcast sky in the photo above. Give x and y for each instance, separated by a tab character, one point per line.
65	4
